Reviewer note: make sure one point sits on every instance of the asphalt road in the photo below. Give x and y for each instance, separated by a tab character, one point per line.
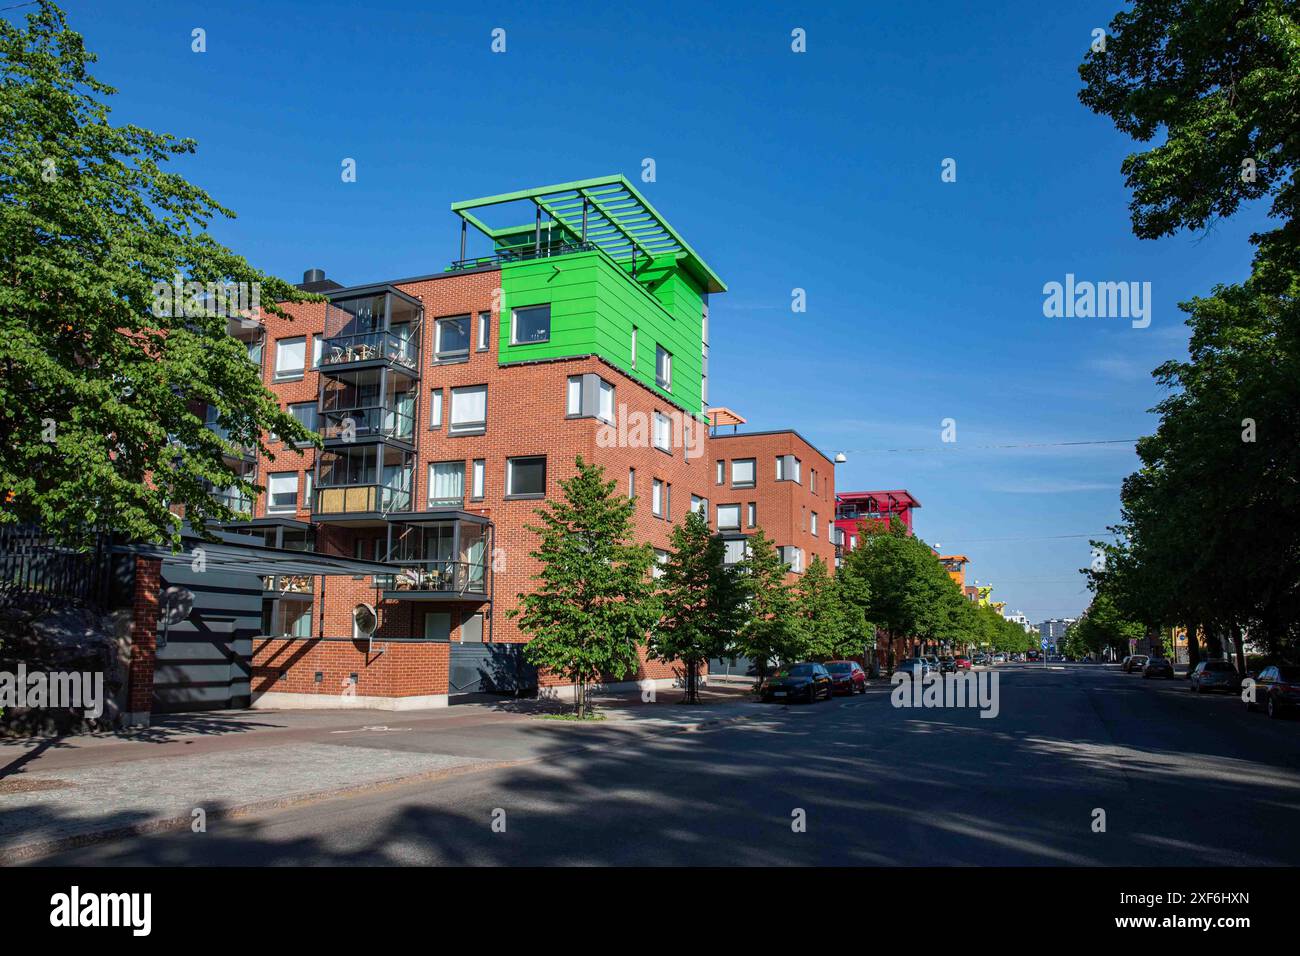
1183	779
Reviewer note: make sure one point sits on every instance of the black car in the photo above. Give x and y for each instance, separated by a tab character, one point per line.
807	681
947	665
1158	667
1277	690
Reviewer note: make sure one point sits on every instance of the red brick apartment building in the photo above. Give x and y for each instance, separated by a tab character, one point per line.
451	406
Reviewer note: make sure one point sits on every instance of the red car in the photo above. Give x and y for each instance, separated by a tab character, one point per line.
963	663
847	677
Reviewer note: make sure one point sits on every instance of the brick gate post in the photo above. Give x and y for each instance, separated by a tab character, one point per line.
144	641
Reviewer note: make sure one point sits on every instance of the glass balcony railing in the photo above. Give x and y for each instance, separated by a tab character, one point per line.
239	503
439	576
342	350
288	583
360	499
357	424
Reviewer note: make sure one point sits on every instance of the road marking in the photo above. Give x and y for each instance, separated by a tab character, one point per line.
374	729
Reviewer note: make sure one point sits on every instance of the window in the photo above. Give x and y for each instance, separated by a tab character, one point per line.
317	342
663	432
787	468
812	481
530	325
468	410
737	551
742	473
435	408
484	330
305	413
471	628
255	353
728	517
793	557
657	498
451	338
476	487
526	477
668	501
813	527
282	492
446	484
290	356
721	471
751	514
661	558
292	617
589	396
663	368
631	482
700	506
634	346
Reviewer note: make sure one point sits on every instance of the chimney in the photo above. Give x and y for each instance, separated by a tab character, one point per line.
313	275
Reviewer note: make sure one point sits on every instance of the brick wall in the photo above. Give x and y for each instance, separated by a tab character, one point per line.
144	635
391	669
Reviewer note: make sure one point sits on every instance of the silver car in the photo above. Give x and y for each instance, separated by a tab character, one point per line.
1214	675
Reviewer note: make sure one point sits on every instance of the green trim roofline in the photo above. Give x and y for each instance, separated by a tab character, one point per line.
607	212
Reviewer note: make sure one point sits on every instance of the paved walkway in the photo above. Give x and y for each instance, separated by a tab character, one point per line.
63	792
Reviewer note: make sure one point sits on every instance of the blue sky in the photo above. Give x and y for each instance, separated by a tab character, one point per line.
818	171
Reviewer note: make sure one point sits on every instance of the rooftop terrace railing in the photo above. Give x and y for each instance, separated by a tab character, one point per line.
522	254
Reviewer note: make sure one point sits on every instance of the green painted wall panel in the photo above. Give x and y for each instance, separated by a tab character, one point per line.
595	304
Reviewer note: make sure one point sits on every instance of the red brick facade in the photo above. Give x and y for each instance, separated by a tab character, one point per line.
526	415
792	513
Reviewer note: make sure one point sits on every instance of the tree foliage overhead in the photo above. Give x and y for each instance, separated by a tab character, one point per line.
595	600
97	391
1207	534
1220	79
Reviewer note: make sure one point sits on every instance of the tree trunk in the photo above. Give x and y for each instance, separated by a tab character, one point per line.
1240	645
1193	647
1213	643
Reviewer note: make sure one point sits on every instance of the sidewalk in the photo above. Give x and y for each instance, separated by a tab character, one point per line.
60	793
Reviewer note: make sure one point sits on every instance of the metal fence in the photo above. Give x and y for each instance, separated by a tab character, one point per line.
33	564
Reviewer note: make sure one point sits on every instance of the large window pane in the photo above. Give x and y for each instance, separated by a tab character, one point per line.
453	336
446	484
468	409
290	357
531	324
526	476
742	472
282	492
728	517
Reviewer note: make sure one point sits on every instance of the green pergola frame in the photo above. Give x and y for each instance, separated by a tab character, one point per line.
606	212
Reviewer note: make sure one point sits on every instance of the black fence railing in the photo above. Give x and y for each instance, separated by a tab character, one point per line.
521	254
32	564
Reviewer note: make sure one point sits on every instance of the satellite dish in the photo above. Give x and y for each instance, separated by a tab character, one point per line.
177	603
364	620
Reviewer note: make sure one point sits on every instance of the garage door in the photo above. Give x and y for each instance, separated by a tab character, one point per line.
490	669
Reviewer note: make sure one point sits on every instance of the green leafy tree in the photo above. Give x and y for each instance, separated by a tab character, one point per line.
820	623
1217	82
702	600
97	386
768	633
595	600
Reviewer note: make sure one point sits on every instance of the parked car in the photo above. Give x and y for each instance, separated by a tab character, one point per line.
1158	667
932	662
1277	690
847	677
1134	663
947	665
805	681
999	658
1214	675
963	663
979	660
916	666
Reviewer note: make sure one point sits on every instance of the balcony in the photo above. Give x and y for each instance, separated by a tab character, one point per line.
439	556
375	328
362	484
361	405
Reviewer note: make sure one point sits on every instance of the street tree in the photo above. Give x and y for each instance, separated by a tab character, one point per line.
768	633
595	601
702	599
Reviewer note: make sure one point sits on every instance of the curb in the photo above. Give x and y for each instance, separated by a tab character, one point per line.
30	852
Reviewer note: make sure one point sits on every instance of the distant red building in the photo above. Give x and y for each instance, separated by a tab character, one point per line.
878	507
